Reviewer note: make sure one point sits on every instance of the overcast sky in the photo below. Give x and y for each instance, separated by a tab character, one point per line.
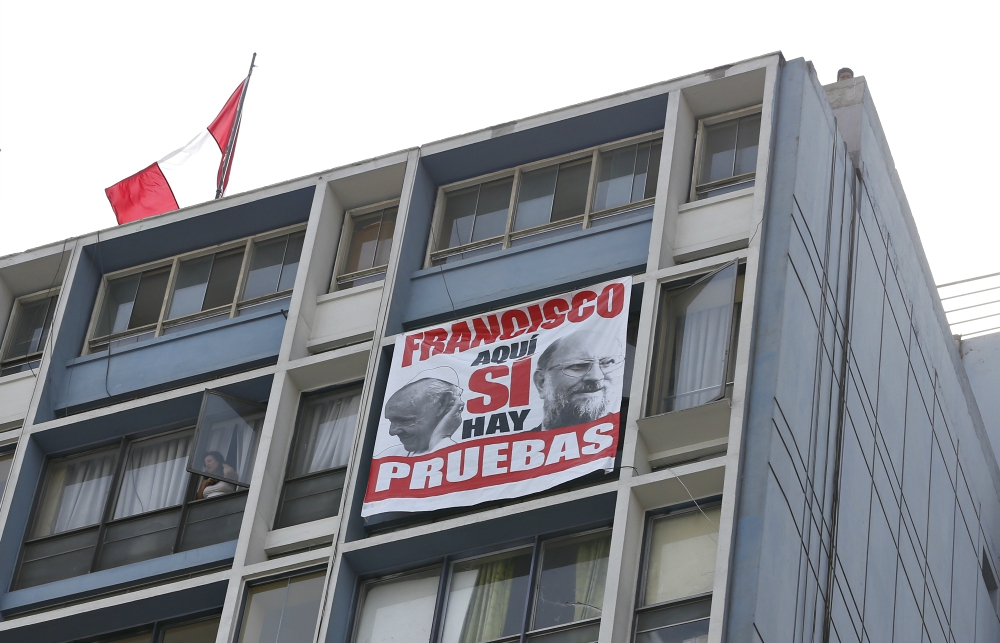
91	92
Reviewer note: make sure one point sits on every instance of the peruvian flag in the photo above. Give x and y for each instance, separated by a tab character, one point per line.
186	176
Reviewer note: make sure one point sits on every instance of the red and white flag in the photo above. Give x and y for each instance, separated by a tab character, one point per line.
184	177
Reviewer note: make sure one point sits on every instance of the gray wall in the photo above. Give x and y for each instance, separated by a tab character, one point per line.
869	488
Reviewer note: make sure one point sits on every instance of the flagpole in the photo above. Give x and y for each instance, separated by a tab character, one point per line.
232	135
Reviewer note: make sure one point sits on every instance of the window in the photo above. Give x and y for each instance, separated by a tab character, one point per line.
196	289
314	478
726	154
131	502
674	597
201	631
560	581
30	321
282	610
540	200
365	245
6	461
990	580
694	349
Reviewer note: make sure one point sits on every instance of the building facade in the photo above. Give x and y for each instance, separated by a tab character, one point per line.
189	403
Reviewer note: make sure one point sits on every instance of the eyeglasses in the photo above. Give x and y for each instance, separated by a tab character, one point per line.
581	367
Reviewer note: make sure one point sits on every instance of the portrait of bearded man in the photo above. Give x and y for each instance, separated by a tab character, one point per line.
579	378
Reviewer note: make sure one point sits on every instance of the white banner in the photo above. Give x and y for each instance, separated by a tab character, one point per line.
502	405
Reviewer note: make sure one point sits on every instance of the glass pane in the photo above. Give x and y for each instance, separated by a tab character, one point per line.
486	598
149	299
478	252
284	611
141	538
31	326
654	170
222	284
213	521
571	585
571	191
401	609
155	475
200	632
682	556
641	170
138	638
117	306
693	632
491	211
746	145
325	433
290	264
718	152
385	236
614	185
265	267
226	443
190	286
313	498
6	460
582	634
459	214
674	614
57	558
74	493
364	242
534	197
695	343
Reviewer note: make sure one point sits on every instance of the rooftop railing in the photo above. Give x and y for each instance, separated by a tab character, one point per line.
972	305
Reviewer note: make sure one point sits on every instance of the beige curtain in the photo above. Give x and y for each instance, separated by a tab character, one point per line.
487	612
591	572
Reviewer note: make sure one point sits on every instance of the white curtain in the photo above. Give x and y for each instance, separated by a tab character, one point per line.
155	476
702	316
325	433
75	493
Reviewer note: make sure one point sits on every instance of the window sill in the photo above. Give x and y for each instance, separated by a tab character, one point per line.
117	578
687	434
13	377
347	292
728	196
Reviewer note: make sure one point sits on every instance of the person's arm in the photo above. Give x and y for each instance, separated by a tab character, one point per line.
201	488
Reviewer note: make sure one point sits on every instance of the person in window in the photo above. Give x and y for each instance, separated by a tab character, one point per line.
425	413
579	378
211	487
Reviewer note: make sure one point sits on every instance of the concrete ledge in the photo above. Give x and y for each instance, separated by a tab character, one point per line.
345	317
318	532
15	396
687	434
713	226
118	577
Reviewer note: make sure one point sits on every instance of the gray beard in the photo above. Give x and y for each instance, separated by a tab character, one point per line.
561	412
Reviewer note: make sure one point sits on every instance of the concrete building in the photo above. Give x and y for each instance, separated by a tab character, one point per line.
834	480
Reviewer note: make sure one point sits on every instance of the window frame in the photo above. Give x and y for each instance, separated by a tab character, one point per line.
12	320
344	246
123	445
248	584
510	235
653	516
340	390
445	567
699	150
669	287
94	344
156	629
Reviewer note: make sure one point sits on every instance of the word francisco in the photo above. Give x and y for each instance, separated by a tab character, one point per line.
513	322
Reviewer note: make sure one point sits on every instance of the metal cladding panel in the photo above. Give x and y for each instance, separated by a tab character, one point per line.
450	291
169	361
851	445
95	623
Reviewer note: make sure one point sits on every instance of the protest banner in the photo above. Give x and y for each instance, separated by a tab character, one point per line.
503	404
